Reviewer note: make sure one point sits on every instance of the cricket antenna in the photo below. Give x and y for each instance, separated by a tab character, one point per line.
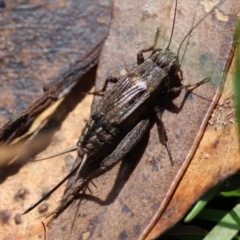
71	149
194	27
174	19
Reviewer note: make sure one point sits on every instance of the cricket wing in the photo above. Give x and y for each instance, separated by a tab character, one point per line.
126	96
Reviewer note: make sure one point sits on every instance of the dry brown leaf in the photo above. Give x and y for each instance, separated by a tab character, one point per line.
40	39
125	203
216	159
130	198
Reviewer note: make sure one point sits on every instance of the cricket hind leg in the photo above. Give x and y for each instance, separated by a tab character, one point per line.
159	111
127	144
162	133
124	147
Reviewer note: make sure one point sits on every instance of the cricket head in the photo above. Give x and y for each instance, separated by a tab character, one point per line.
166	60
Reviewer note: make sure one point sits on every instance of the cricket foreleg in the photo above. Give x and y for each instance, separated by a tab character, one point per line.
190	87
162	133
102	91
140	57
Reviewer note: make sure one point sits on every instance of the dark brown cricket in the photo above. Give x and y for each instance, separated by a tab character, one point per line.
122	117
129	198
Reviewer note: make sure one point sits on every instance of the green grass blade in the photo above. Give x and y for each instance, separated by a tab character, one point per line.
227	227
212	214
202	203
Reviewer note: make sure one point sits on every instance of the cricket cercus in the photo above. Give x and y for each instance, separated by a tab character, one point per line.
122	116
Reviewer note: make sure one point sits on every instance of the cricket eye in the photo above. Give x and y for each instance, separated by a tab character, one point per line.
174	67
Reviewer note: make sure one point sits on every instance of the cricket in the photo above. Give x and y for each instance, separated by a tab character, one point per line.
121	118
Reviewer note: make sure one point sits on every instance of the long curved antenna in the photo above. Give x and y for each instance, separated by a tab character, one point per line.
184	52
191	30
174	19
156	37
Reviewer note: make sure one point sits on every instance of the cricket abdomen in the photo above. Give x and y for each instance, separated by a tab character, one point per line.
98	137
